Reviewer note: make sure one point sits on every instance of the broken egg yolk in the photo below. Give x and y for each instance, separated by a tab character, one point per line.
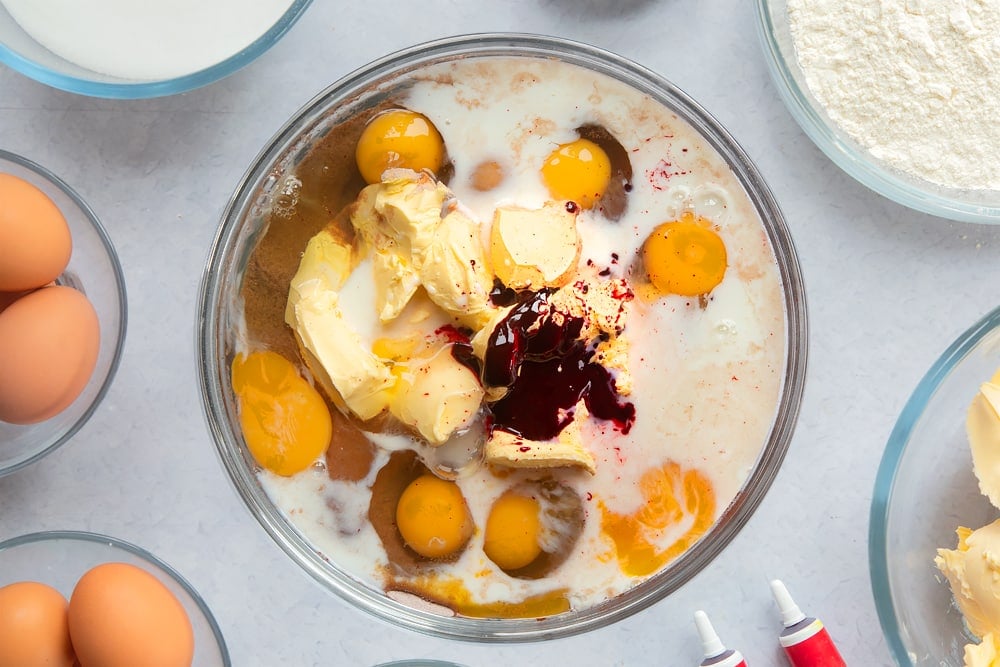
286	423
685	257
678	508
433	518
513	531
578	171
398	139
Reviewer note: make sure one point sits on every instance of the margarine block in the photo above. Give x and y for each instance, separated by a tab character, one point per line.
985	653
396	280
510	450
973	570
532	249
613	355
410	204
983	428
325	265
437	396
455	271
360	378
600	303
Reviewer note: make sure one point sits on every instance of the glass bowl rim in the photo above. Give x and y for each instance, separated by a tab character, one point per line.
885	479
856	162
119	278
98	538
731	520
141	89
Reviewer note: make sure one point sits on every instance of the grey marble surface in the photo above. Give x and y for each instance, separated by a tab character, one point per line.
888	290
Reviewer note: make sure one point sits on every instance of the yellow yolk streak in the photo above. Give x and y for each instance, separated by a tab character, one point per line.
452	593
671	496
285	422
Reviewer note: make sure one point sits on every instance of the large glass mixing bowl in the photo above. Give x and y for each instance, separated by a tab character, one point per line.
241	227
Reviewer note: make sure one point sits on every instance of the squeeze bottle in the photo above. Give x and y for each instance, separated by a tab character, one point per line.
716	655
805	641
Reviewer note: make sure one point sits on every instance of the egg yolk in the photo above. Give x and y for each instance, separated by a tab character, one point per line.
578	171
398	139
433	518
685	257
513	531
679	508
286	423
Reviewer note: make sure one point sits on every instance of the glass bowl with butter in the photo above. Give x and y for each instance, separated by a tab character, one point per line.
502	338
927	492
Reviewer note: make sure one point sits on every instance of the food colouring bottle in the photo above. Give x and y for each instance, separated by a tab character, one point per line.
716	655
805	641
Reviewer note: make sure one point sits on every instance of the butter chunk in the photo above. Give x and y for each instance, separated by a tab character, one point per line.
362	379
437	396
600	303
532	249
455	272
410	205
418	237
983	429
325	265
613	355
973	571
396	281
985	653
507	449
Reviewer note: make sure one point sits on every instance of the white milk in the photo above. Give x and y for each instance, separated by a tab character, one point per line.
144	39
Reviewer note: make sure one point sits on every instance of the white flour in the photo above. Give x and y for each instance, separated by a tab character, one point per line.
917	82
146	39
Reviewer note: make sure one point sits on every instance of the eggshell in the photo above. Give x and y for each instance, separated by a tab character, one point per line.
122	616
35	242
33	627
7	298
49	341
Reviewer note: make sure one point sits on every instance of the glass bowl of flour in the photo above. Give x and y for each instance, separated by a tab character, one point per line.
902	99
130	50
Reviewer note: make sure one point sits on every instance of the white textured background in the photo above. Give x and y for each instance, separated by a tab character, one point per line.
888	290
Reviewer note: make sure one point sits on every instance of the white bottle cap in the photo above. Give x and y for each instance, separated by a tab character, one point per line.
710	642
790	612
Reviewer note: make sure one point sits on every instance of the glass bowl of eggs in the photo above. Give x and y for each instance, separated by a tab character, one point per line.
62	312
103	601
502	338
104	49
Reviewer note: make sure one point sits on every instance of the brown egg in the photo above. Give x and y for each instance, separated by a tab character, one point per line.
122	616
35	243
33	627
49	341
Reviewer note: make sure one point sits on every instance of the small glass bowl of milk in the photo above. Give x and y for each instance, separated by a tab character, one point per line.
129	50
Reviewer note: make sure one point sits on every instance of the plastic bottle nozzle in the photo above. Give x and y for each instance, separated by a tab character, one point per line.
790	612
710	642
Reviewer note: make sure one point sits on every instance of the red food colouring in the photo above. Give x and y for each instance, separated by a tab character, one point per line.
547	370
660	175
452	334
805	640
